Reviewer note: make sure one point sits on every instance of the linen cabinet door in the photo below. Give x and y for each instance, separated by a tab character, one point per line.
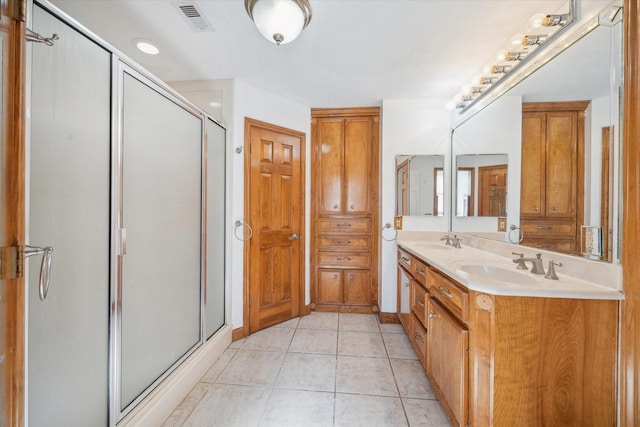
330	163
448	361
404	295
561	164
533	165
357	165
357	286
329	286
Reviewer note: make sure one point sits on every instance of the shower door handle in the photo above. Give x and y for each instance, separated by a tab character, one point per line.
45	267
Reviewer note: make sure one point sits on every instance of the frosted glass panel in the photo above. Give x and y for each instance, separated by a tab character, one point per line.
69	210
162	216
215	227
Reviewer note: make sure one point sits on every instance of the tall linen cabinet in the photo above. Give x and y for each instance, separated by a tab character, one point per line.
345	147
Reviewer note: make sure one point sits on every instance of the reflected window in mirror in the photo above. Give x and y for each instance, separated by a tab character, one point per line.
464	195
481	185
420	185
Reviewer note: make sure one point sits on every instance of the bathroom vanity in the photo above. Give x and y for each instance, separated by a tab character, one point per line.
506	347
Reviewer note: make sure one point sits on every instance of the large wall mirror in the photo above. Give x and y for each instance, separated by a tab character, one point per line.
420	185
559	130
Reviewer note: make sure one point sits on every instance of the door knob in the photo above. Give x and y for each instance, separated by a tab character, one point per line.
295	236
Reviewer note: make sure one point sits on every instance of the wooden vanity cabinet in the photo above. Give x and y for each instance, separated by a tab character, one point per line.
344	209
510	360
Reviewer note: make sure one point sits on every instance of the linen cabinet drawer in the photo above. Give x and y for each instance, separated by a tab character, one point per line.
346	259
332	242
344	225
450	295
548	229
419	298
567	246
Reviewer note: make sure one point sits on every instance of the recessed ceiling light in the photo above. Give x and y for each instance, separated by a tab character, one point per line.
145	46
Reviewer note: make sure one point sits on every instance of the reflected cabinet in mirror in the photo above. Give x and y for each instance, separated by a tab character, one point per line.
420	185
559	130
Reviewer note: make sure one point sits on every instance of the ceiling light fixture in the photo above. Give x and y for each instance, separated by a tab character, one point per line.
145	46
279	21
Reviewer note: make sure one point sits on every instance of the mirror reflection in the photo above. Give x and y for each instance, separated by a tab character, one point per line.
481	185
420	185
560	131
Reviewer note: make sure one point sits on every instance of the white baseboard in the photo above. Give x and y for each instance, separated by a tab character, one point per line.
160	403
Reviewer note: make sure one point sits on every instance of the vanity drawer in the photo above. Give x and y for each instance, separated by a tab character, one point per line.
346	259
405	260
420	272
333	242
344	225
419	298
419	339
451	295
548	229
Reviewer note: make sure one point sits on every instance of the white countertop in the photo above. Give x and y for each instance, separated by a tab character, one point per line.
452	261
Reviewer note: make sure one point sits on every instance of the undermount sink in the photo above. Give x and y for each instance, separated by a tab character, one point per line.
429	246
498	274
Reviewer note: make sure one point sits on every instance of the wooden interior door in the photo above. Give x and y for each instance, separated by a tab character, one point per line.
274	207
492	187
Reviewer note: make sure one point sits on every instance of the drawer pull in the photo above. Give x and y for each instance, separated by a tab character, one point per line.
543	246
343	242
543	227
406	285
344	225
419	302
420	272
418	337
445	292
405	259
432	315
343	258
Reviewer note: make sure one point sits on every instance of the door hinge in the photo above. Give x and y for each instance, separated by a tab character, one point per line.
11	262
17	10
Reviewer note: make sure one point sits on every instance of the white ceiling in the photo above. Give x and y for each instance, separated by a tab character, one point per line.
353	53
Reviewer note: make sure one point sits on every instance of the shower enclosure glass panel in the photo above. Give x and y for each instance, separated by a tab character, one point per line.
68	208
216	154
161	248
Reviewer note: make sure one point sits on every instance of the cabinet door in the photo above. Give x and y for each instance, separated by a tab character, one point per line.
533	168
357	287
562	158
330	164
357	165
329	286
448	360
403	297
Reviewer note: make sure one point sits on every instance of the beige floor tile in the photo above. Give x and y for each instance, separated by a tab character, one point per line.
291	323
187	406
303	371
314	341
370	411
273	339
296	408
237	344
368	344
319	320
425	413
398	346
411	379
365	375
392	328
230	406
358	322
252	367
219	365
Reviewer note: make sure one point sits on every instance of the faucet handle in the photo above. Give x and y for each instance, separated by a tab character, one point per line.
455	241
447	239
551	273
520	261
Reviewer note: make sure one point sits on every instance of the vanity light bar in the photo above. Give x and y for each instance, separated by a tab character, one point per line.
469	95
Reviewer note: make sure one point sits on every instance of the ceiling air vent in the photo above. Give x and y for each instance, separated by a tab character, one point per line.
193	15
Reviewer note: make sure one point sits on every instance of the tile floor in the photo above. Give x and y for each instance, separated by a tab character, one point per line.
325	369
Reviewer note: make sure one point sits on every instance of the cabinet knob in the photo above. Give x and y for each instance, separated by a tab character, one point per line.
351	277
555	209
352	207
536	208
432	315
406	284
335	206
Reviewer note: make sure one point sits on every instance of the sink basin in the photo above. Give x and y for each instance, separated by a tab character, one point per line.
430	246
498	274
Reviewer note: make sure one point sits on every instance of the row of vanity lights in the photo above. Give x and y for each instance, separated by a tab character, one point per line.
540	28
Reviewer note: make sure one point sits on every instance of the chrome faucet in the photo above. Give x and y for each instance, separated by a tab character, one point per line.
520	261
455	241
551	273
447	239
536	264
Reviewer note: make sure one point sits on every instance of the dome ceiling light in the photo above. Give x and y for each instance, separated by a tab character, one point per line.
279	21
